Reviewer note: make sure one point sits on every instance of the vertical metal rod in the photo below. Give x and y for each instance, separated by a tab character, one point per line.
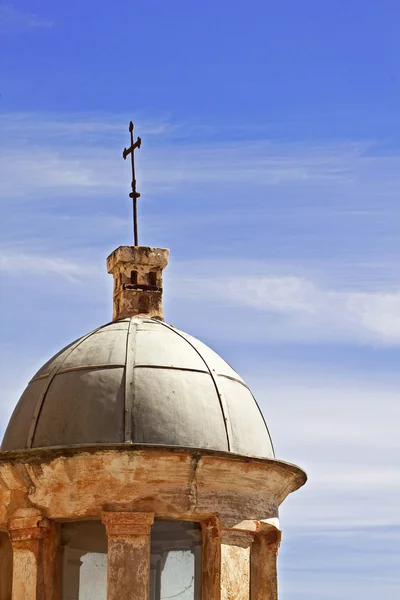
135	225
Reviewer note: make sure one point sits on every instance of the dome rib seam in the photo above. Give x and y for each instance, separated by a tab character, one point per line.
172	368
220	395
265	422
82	368
130	380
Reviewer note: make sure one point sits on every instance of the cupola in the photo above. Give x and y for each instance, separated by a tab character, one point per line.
137	464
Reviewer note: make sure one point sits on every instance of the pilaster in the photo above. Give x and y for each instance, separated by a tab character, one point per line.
211	563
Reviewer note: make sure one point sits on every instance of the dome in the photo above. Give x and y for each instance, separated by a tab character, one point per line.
138	380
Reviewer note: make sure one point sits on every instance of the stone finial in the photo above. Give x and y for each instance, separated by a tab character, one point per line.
137	272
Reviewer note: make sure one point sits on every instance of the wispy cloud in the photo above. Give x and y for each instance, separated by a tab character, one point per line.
13	20
83	156
276	306
84	127
52	155
343	431
36	265
286	307
47	173
88	170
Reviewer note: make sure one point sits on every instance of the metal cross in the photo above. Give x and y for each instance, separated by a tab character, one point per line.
134	194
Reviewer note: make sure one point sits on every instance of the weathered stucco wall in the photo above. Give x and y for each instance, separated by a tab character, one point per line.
80	483
235	499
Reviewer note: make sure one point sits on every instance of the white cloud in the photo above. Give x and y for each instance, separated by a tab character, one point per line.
50	156
34	265
291	307
13	21
86	170
51	173
85	127
344	432
277	308
82	155
378	313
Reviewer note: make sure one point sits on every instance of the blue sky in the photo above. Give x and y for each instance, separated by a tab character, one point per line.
270	167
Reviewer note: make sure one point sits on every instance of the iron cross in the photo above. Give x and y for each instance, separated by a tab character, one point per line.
134	194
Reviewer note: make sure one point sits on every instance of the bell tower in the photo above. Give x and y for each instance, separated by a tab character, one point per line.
137	272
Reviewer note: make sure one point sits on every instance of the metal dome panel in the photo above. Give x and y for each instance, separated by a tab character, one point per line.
103	347
183	410
82	406
219	365
56	361
17	432
157	345
247	422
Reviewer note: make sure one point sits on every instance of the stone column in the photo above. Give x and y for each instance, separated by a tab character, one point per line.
235	564
36	564
226	560
211	580
128	555
264	574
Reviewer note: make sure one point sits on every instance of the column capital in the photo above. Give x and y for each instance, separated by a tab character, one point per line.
271	536
241	533
237	537
35	541
127	524
28	528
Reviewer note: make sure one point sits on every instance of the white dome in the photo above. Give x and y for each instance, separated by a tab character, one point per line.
139	381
